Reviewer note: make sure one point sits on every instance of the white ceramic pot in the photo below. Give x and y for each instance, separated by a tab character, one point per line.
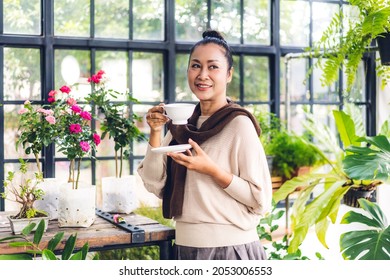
76	207
17	225
49	201
119	194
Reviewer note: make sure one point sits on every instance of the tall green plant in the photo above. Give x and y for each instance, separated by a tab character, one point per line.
332	186
119	123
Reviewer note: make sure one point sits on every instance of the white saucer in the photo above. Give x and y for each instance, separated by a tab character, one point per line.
173	149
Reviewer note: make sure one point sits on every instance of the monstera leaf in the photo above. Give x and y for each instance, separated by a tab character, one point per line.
369	163
370	244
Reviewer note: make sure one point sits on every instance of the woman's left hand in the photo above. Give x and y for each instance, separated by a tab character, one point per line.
200	162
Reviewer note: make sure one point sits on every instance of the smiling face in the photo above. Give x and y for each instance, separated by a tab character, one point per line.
208	73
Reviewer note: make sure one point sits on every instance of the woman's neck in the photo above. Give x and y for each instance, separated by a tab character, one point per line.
210	107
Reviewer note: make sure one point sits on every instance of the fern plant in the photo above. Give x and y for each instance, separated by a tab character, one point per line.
347	38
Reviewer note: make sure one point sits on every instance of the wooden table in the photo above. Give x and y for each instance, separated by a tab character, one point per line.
103	235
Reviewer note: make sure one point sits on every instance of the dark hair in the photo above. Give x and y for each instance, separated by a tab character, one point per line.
213	36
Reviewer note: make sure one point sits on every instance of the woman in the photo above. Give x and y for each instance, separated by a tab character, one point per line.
218	191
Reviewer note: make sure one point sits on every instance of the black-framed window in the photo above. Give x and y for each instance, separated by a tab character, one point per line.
144	45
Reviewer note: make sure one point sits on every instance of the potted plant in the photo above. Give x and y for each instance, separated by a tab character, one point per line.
346	40
291	154
37	129
34	250
119	124
25	192
336	180
75	140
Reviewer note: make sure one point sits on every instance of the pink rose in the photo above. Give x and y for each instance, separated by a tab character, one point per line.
27	102
96	139
52	93
65	89
76	108
86	115
51	100
22	111
51	119
75	128
71	101
85	146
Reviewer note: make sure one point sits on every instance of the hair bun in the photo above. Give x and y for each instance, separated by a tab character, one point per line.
212	34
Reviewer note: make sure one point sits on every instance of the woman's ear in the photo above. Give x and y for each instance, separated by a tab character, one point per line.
230	75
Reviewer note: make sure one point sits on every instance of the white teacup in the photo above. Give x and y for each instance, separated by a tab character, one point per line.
179	113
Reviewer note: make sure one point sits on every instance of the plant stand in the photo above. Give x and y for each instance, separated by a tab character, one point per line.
76	207
119	194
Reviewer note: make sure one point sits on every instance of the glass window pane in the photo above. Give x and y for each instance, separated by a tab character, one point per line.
294	27
295	80
72	67
226	18
148	21
323	93
22	17
22	75
322	15
358	89
256	78
14	167
147	76
62	171
115	65
233	89
191	19
112	19
72	18
183	91
140	110
257	22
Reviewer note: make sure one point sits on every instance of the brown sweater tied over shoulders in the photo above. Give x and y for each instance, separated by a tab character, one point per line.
173	195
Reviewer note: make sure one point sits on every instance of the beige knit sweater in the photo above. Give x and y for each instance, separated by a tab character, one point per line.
213	216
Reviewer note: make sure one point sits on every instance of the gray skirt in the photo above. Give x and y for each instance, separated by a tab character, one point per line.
249	251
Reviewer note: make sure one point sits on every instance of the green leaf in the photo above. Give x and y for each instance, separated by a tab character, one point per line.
346	128
48	255
55	241
369	163
69	247
21	244
366	244
39	232
16	257
77	256
28	229
370	244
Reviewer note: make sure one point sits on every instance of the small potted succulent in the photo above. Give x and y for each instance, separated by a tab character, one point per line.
119	124
21	188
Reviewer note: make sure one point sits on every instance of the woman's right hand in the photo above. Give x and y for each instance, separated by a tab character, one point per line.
156	118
